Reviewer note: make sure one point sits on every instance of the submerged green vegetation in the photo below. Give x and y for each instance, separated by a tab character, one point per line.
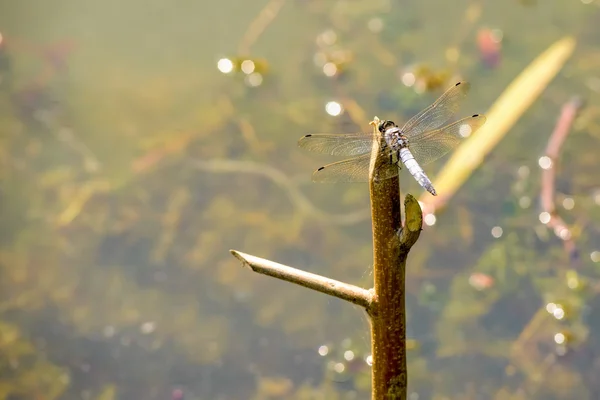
131	164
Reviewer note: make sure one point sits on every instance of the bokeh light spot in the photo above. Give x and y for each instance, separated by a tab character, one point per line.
409	79
148	327
330	69
525	202
430	219
497	232
465	130
253	80
333	108
349	355
248	67
545	217
323	350
563	233
523	171
225	65
568	203
558	313
545	162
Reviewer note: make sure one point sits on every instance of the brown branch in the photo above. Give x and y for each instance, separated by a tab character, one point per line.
341	290
386	303
558	137
391	245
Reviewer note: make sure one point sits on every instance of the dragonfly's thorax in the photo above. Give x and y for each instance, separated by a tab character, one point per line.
393	135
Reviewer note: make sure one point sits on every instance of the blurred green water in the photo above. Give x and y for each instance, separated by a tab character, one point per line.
114	259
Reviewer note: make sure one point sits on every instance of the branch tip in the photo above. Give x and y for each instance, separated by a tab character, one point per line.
331	287
242	258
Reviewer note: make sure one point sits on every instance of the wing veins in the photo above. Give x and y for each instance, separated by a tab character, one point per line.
351	144
439	112
431	145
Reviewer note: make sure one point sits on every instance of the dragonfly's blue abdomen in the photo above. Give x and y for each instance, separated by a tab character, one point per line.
416	171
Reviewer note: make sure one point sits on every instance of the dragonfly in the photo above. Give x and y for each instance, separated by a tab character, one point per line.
423	139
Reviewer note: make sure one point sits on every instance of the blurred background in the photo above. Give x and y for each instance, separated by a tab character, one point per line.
141	140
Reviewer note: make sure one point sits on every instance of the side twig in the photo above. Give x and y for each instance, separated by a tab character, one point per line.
341	290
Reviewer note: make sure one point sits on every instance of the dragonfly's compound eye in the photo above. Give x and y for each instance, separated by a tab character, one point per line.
385	125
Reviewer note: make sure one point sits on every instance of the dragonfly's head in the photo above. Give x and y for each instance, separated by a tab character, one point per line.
385	125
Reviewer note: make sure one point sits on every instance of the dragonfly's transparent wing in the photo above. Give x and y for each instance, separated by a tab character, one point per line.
439	112
429	146
351	144
354	170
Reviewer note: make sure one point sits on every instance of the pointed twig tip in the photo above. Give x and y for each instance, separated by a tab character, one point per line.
241	257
